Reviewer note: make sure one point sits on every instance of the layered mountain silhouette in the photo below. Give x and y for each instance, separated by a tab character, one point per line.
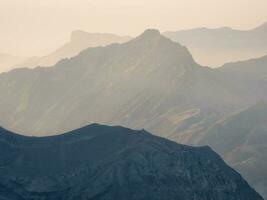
79	41
100	162
149	82
211	47
214	47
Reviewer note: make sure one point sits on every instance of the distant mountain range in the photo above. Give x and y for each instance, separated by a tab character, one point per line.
101	163
149	82
210	47
8	62
79	41
214	47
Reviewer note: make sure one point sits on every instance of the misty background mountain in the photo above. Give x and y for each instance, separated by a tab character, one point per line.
100	162
209	47
79	41
215	47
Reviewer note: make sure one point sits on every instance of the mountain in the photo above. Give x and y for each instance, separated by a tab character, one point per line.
79	41
8	61
90	80
249	75
214	47
241	140
100	162
253	69
149	82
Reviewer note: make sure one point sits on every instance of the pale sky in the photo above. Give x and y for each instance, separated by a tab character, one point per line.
35	27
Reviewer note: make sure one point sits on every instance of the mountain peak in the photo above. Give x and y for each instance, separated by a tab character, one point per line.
76	34
150	33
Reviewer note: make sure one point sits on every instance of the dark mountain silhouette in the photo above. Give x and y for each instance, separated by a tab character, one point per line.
214	47
101	162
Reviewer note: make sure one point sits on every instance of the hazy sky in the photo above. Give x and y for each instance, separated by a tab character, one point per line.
35	27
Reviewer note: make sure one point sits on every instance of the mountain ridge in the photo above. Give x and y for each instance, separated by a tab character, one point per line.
149	62
215	47
147	83
79	40
101	162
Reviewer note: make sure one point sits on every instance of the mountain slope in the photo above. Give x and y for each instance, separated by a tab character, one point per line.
79	41
249	69
214	47
100	162
241	140
149	82
250	76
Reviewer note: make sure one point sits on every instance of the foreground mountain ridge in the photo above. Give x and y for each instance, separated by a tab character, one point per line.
101	162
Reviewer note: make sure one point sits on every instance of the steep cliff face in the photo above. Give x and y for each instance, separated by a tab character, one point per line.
101	163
